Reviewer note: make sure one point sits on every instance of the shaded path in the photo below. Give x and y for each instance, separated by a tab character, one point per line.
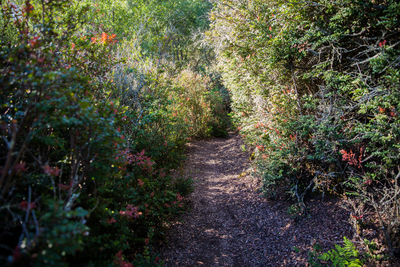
230	224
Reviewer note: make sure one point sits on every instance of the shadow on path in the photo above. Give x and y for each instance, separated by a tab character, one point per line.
231	224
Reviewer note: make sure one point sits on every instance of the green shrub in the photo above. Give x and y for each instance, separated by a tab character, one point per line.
85	167
314	90
346	255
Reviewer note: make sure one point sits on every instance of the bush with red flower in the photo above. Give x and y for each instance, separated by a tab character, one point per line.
323	78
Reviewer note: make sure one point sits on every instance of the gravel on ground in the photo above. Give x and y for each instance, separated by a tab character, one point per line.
232	224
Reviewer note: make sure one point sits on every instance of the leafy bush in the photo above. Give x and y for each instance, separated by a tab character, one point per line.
314	88
89	137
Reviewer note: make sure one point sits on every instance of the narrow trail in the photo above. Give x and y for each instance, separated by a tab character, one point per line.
231	224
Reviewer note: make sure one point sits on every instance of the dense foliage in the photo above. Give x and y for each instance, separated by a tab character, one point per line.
315	88
94	118
98	99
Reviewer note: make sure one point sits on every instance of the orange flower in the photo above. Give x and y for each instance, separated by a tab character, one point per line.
357	217
111	38
52	171
350	157
104	37
140	183
28	8
33	42
94	40
179	197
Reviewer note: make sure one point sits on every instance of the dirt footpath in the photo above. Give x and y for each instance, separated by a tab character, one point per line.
231	224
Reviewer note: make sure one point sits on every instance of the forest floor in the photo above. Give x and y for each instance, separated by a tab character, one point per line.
230	223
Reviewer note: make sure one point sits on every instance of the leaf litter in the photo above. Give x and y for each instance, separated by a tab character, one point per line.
231	223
